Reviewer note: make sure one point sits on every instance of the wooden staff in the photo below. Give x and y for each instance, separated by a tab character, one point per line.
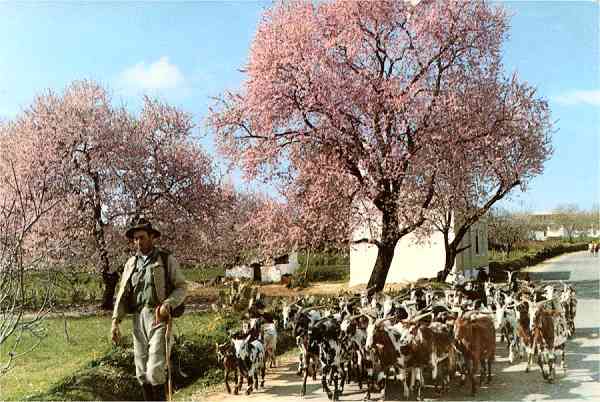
168	357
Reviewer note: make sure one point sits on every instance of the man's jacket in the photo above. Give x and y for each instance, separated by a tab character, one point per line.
177	279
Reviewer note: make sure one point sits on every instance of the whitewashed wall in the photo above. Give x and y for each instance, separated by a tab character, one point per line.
411	260
240	271
273	273
268	273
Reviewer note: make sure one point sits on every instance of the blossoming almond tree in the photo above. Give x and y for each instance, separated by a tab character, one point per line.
164	175
27	194
470	182
113	166
80	128
374	86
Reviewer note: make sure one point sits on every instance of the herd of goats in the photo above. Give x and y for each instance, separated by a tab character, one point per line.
425	332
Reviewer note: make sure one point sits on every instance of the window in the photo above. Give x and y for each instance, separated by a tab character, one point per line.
477	242
284	259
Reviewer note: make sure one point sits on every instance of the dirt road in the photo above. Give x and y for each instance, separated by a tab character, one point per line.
510	382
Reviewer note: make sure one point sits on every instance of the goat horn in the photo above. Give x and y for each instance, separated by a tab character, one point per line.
379	321
354	317
421	316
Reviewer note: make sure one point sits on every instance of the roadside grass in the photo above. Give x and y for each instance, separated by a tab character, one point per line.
528	248
85	366
532	254
59	354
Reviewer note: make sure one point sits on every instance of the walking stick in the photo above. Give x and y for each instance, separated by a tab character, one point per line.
168	357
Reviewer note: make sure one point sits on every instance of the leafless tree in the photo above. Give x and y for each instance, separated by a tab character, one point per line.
22	203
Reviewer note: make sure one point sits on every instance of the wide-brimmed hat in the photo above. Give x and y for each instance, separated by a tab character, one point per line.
141	224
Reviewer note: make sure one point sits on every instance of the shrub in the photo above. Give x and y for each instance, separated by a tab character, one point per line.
553	250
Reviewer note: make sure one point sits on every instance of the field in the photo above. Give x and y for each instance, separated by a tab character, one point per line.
60	353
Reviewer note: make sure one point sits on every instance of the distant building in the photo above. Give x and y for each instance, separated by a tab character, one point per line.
270	270
414	260
547	228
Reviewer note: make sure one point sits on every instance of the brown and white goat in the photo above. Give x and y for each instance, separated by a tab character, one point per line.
476	339
226	357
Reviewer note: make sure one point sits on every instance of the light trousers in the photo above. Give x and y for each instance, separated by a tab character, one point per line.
149	348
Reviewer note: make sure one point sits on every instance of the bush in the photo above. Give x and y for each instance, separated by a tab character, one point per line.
553	250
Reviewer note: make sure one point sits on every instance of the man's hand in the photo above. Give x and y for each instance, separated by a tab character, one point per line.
162	313
115	333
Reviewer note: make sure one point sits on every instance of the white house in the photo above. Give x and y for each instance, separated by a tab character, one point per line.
271	271
549	228
553	231
414	260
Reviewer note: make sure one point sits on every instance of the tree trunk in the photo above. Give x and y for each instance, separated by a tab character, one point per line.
110	283
385	254
109	278
451	253
306	266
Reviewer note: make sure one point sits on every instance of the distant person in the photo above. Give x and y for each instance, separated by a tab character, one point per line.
145	293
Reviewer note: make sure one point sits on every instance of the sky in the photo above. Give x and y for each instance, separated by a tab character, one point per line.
186	53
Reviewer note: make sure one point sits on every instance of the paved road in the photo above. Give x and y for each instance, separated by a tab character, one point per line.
510	382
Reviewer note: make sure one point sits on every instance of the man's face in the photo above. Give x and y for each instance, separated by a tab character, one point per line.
143	241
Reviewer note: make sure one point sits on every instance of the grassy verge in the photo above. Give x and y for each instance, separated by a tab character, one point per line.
59	354
86	366
532	256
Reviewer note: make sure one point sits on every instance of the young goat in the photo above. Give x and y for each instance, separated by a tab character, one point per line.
226	357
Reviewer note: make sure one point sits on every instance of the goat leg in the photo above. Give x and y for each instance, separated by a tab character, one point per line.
303	392
250	383
227	381
324	382
336	392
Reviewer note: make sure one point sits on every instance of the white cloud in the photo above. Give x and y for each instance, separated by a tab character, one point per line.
156	76
591	97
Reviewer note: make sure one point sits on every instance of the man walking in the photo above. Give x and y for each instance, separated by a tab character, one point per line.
151	286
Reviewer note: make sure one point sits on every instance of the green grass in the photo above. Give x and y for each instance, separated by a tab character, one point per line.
78	288
525	249
88	367
325	267
203	273
65	288
56	357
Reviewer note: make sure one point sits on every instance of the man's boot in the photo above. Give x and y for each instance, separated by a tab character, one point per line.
148	392
160	392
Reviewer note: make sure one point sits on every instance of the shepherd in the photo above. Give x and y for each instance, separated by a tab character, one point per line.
151	287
